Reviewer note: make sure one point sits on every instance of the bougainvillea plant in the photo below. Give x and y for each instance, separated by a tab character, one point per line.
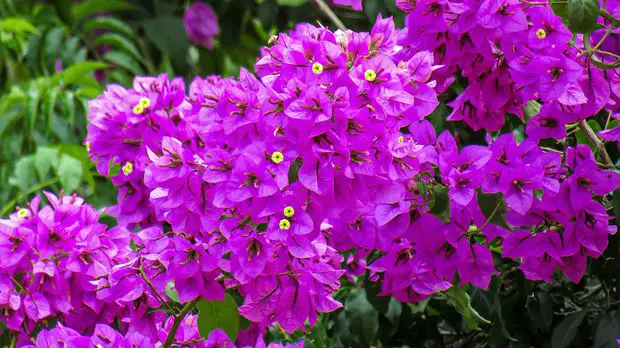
272	189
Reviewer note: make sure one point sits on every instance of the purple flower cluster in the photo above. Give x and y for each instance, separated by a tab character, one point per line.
123	124
51	259
251	174
257	185
509	52
108	337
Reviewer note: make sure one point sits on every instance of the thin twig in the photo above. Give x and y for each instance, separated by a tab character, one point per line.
608	119
491	216
594	139
329	13
177	322
148	282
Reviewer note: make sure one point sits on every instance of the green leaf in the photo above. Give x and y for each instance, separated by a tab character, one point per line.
79	152
109	23
531	109
114	169
75	73
120	43
293	171
361	318
583	139
582	15
291	2
91	7
52	45
17	25
380	303
560	8
565	333
89	92
70	173
172	292
494	209
317	337
440	205
50	104
422	187
459	298
540	310
24	173
124	61
168	34
607	330
45	159
68	103
218	314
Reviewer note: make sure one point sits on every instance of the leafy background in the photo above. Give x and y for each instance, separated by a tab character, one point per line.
56	55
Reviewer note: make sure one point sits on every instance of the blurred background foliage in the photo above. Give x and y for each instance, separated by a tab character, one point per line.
55	55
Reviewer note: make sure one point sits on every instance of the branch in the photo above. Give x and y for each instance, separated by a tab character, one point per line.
177	322
148	282
329	13
615	22
594	139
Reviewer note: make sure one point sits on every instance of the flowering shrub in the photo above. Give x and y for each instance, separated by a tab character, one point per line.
272	190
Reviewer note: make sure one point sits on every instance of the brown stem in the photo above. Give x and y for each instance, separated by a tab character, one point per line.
330	14
177	322
150	284
594	139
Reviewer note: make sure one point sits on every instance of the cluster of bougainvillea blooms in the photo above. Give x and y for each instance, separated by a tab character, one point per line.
256	184
106	336
511	52
51	257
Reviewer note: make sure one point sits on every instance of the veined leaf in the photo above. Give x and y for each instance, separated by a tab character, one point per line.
69	172
461	301
76	72
17	25
565	333
124	61
218	314
582	15
91	7
109	23
120	43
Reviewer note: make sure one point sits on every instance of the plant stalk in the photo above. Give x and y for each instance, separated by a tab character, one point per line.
330	14
177	322
594	139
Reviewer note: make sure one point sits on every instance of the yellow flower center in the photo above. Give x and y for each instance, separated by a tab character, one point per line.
22	213
289	211
138	109
285	224
87	144
370	75
127	168
541	33
401	139
144	102
317	68
277	157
